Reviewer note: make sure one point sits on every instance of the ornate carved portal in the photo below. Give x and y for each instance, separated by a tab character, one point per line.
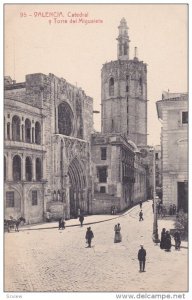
74	162
78	187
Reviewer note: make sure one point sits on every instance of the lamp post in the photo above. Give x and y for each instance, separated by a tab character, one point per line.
155	198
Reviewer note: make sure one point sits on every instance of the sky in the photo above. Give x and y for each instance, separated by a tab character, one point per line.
34	43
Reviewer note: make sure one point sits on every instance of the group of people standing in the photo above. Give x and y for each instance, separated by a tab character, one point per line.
162	210
62	221
113	210
166	240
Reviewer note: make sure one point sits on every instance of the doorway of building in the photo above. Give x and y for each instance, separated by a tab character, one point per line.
74	202
182	196
77	180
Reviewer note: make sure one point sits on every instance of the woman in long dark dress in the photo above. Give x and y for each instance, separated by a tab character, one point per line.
167	241
163	238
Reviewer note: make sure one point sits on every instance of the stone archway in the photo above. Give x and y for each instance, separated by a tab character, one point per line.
78	186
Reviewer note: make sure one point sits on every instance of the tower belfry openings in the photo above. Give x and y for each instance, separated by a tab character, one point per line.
124	92
123	40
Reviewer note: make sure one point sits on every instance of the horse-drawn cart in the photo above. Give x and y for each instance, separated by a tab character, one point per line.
12	223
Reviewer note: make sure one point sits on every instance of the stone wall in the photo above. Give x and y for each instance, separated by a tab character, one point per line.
101	204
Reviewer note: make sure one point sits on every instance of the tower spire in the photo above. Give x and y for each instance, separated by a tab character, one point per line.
123	41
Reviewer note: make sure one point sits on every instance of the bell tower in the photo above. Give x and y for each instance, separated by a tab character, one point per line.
123	41
124	92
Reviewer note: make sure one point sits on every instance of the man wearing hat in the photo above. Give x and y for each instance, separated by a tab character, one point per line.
89	235
142	258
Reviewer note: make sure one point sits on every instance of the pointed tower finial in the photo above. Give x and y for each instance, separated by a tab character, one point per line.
135	53
123	41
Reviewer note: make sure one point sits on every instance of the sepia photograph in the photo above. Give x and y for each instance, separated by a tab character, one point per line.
96	149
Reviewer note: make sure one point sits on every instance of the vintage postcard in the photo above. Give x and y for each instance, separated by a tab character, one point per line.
96	150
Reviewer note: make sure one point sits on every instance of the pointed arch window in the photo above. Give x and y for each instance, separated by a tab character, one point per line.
32	135
16	128
8	131
28	168
111	86
65	119
37	133
38	169
22	133
17	168
27	131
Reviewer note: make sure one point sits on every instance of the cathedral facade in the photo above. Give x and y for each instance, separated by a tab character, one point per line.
47	130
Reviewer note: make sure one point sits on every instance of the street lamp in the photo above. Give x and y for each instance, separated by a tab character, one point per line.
155	198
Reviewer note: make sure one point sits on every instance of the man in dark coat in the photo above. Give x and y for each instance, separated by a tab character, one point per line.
89	235
61	223
177	239
140	203
142	257
141	216
81	219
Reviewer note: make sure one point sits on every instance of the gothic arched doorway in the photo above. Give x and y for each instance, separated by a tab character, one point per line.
77	191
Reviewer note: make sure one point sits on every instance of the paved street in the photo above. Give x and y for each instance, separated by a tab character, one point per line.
55	260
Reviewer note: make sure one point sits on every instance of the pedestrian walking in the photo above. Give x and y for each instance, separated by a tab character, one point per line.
61	223
140	203
118	236
89	236
177	239
167	241
141	216
81	219
142	258
163	238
